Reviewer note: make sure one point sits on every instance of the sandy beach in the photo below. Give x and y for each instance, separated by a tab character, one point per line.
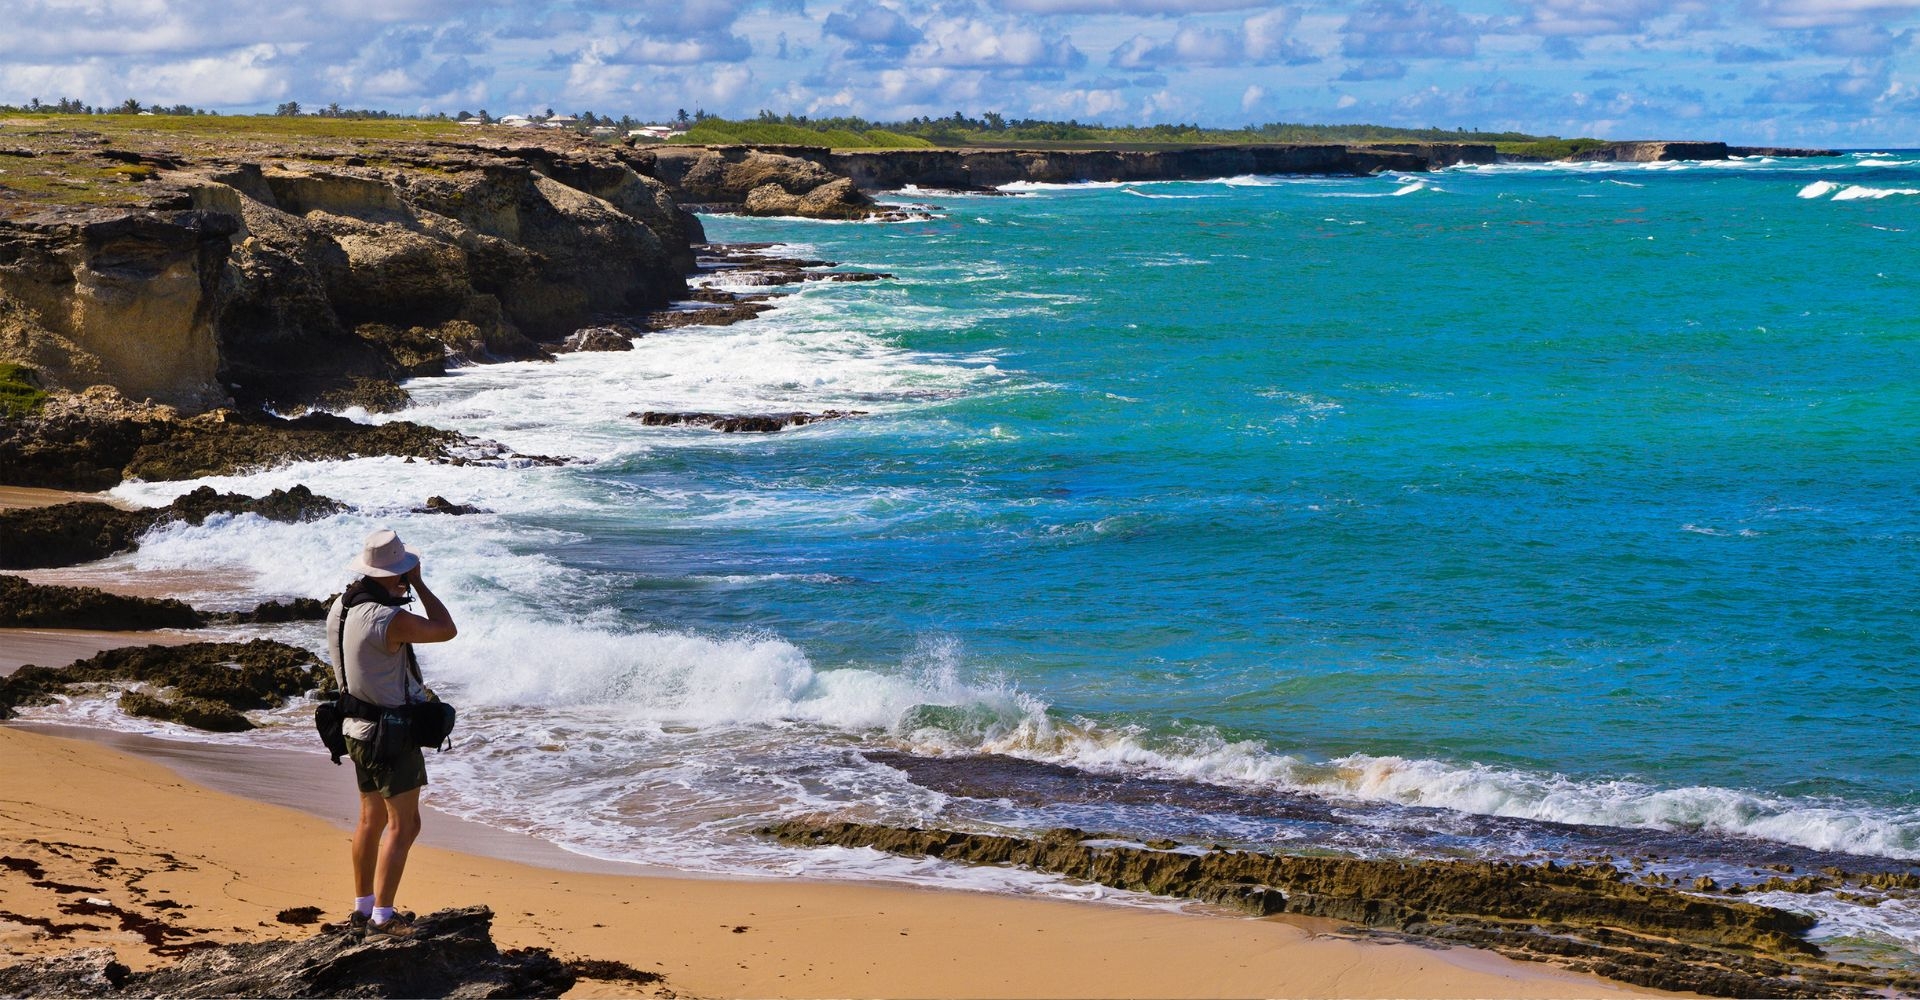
100	823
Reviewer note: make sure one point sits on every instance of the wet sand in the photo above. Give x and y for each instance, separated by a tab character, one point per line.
15	497
231	863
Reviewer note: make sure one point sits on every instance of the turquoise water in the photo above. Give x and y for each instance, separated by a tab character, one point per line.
1606	474
1506	511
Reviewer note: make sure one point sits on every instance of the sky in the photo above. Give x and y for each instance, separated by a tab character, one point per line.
1813	72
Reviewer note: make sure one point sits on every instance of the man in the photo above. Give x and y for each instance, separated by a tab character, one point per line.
370	636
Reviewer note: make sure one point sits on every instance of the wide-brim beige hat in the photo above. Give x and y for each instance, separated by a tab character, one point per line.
383	554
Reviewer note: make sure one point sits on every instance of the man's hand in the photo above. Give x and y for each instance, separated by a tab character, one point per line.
407	627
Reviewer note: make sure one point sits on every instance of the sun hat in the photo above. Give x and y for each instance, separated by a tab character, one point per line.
382	554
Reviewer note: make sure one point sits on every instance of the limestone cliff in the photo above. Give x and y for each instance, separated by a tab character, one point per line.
287	273
820	183
1659	151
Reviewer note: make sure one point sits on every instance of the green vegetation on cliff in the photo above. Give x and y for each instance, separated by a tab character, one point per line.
992	130
1549	149
20	392
719	131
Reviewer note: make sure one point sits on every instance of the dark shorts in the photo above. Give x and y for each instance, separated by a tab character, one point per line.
401	776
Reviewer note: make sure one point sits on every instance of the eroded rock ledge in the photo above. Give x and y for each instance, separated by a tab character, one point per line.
452	954
1587	917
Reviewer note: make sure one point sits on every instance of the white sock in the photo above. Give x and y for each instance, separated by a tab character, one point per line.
382	914
363	905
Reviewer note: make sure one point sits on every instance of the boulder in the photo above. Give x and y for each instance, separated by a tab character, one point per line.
599	338
757	423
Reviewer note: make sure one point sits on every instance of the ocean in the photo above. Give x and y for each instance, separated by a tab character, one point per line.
1515	511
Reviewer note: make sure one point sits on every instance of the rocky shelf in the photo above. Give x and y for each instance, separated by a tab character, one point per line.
1590	918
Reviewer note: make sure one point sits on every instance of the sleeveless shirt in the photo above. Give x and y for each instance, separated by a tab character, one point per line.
370	673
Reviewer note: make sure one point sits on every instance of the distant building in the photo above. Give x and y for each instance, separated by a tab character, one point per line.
559	121
473	121
515	121
601	130
655	132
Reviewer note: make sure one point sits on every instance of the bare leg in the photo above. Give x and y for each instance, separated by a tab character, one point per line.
402	817
366	841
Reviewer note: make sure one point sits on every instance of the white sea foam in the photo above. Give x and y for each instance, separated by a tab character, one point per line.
1025	187
1860	192
1166	197
1818	189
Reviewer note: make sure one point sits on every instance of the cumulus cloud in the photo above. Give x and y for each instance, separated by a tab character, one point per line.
1409	29
1734	53
687	33
393	65
1829	13
1093	104
1375	69
874	31
968	42
1262	39
1139	7
1854	40
683	51
1583	18
1854	86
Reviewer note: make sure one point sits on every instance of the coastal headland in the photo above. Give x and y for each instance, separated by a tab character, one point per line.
176	305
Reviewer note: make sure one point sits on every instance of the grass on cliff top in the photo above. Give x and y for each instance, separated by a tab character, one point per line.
1549	149
715	131
240	126
20	392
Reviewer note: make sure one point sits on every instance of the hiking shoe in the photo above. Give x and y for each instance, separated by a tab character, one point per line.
355	922
399	928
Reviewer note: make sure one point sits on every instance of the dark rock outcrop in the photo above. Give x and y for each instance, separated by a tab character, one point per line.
1590	917
1780	151
71	533
973	169
451	954
757	423
26	605
1658	151
599	338
87	442
32	605
204	684
226	441
441	505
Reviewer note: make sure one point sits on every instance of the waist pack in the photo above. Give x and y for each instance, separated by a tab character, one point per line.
403	727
